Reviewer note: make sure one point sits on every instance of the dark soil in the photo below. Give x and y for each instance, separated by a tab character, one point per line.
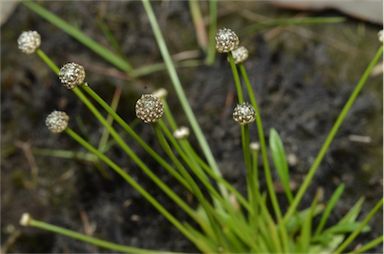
302	77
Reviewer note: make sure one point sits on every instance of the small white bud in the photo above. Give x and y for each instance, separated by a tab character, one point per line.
25	219
181	133
160	93
380	34
254	146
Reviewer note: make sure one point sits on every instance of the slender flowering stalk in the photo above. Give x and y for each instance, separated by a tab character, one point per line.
135	185
27	221
332	134
180	91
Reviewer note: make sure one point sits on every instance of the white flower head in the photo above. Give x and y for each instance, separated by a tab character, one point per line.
57	121
29	41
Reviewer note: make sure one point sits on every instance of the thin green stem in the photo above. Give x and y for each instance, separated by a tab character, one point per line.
247	159
117	118
358	230
290	22
131	181
89	239
135	136
115	102
133	155
48	61
179	90
65	154
264	155
254	179
236	77
220	179
195	188
369	245
198	22
332	134
149	69
168	115
79	35
211	53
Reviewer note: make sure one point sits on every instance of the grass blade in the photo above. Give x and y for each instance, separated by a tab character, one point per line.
340	119
80	36
180	91
355	233
331	204
280	161
369	245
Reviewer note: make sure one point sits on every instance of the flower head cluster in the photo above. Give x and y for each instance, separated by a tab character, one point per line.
72	75
57	121
149	108
240	54
226	40
244	113
29	41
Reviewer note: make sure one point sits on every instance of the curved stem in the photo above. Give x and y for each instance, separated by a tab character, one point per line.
264	156
131	181
133	155
180	92
304	186
89	239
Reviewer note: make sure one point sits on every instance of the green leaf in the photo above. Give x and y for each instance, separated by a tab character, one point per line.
280	161
296	221
331	204
353	213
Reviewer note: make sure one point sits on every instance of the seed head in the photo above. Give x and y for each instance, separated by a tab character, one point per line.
254	146
25	219
380	34
57	121
149	108
29	41
240	54
244	113
161	93
181	132
226	40
72	75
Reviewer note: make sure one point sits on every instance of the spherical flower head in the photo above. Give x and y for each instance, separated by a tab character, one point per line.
57	121
244	113
149	108
240	54
226	40
29	41
72	75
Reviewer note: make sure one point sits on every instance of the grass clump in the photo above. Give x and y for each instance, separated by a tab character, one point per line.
223	220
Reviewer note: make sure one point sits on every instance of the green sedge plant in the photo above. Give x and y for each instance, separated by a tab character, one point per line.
225	220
